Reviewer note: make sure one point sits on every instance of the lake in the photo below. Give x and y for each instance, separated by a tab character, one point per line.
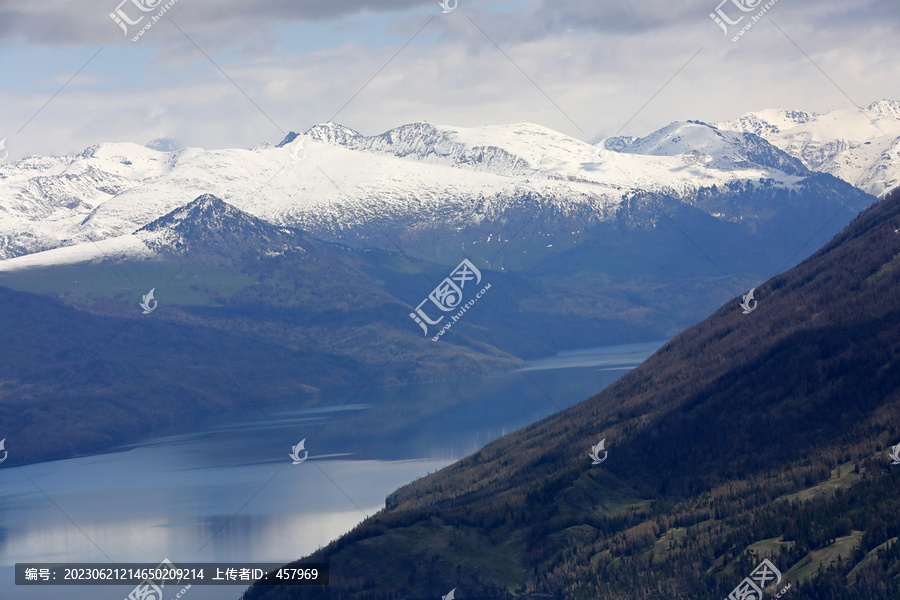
228	491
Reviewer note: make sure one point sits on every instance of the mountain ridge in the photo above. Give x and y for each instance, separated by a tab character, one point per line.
350	188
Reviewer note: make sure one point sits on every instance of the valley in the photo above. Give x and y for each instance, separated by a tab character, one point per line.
285	289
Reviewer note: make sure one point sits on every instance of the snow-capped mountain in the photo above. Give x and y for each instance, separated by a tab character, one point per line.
206	225
862	147
343	186
703	144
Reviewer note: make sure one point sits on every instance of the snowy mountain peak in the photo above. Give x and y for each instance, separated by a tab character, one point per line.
724	149
328	133
766	123
753	123
678	137
797	116
508	150
212	224
885	108
505	150
332	133
206	211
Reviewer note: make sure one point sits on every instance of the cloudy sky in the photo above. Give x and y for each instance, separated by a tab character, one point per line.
222	73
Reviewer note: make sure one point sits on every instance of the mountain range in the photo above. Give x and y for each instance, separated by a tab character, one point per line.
421	181
753	435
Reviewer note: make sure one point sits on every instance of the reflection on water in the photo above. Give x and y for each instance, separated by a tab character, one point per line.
229	492
624	357
152	503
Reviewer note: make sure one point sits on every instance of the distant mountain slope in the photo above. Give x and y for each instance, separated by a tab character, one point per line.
747	436
861	147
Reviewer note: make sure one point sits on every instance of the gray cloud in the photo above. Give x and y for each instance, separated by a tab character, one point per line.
598	63
62	22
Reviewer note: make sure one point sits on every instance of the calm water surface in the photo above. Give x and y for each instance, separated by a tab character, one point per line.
228	491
